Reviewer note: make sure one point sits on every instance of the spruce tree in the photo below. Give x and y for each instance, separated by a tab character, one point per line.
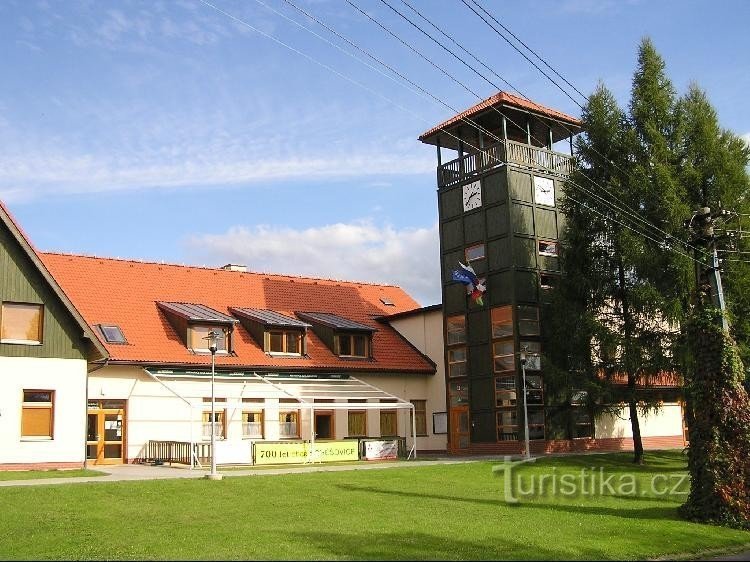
608	288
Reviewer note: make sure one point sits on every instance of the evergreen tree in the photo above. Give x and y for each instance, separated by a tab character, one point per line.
625	294
608	288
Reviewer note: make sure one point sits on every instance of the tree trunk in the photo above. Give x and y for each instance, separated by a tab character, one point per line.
635	424
630	368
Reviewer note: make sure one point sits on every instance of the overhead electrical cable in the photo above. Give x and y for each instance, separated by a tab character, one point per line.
370	90
525	56
322	64
623	208
532	51
604	158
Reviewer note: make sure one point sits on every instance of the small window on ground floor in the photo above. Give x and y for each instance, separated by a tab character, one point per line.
252	425
582	422
219	424
458	392
37	414
357	423
507	424
289	425
388	423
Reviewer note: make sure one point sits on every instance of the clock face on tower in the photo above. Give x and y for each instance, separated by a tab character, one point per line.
544	191
472	195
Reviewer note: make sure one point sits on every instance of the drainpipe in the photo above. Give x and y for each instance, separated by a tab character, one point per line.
86	413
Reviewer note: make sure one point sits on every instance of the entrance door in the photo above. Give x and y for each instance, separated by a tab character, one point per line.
323	425
460	427
105	443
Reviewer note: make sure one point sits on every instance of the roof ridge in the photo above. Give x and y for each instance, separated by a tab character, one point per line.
218	269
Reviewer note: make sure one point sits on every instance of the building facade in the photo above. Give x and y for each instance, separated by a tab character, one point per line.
298	360
45	349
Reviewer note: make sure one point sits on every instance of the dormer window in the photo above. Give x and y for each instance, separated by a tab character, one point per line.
193	322
276	333
352	345
280	341
198	339
344	337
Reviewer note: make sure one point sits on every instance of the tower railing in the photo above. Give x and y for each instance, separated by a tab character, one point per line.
505	152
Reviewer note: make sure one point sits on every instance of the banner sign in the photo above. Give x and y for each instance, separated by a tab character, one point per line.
297	452
380	450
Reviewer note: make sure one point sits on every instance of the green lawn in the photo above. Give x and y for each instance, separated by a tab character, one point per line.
54	473
430	512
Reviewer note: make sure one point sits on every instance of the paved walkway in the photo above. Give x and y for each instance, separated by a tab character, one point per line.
738	556
119	473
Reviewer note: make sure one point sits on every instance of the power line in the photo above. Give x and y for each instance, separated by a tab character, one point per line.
421	91
523	54
532	51
623	208
321	64
658	242
312	59
602	156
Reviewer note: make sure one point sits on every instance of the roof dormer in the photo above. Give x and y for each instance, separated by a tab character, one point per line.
344	337
276	333
193	322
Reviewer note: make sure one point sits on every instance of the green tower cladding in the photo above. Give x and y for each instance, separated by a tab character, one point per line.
499	225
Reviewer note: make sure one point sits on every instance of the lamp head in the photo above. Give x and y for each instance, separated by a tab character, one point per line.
213	341
522	354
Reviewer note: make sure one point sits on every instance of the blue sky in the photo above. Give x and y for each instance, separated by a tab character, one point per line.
169	131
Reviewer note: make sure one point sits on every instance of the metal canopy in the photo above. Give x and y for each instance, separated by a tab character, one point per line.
334	321
196	312
312	393
318	391
269	318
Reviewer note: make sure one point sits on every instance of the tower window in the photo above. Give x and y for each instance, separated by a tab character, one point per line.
547	248
456	330
476	252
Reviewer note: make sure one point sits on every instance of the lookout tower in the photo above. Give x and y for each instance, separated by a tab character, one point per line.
497	201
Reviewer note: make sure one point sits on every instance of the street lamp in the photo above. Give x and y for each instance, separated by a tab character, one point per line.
525	408
213	344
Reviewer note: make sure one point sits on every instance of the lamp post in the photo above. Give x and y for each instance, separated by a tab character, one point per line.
525	408
213	340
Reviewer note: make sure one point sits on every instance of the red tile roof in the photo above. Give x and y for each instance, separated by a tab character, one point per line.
125	293
503	98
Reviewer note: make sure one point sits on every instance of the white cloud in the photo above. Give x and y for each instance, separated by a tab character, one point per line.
36	174
359	251
746	138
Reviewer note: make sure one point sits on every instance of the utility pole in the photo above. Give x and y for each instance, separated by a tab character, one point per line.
703	236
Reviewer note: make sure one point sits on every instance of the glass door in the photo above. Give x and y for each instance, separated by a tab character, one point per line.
106	431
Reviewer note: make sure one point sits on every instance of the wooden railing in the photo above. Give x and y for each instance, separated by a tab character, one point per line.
160	452
507	152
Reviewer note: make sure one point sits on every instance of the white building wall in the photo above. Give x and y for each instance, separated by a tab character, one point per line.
425	332
155	412
667	421
67	377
